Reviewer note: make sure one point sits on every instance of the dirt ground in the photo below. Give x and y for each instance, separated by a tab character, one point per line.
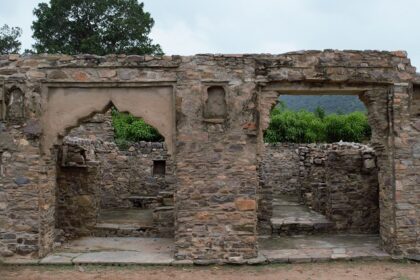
333	271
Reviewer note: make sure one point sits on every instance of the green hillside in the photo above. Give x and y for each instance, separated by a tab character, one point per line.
331	103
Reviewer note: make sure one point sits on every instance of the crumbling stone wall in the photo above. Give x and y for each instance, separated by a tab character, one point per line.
341	181
352	190
215	158
128	172
338	180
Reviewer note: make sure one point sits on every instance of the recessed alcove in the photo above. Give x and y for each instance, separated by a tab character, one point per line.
15	100
215	107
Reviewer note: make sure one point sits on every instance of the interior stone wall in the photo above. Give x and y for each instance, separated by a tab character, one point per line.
94	174
279	175
128	172
215	159
338	180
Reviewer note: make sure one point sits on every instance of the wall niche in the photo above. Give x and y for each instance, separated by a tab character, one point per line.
15	100
415	103
215	106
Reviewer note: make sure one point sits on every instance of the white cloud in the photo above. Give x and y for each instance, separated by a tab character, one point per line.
179	38
276	47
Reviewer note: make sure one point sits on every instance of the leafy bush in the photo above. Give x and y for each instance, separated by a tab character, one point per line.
128	128
307	127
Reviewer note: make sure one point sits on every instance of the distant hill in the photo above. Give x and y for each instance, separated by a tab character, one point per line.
331	103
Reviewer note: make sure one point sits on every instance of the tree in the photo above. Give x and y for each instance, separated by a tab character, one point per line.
9	42
93	26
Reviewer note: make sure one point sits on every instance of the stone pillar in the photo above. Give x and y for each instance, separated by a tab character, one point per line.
406	159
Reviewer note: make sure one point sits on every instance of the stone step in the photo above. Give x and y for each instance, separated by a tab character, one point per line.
125	222
296	226
124	230
292	218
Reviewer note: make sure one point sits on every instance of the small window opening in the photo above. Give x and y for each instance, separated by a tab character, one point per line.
159	167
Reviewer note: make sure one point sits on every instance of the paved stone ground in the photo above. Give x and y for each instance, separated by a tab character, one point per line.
316	248
290	217
109	250
369	270
159	251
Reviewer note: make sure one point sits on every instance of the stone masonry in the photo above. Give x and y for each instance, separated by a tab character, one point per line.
212	111
95	174
338	180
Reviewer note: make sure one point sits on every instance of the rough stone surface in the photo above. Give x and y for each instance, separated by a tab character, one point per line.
337	180
215	160
94	176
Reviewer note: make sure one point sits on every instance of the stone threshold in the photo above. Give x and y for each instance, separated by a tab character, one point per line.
264	257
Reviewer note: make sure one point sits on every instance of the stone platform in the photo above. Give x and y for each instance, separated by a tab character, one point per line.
125	223
290	217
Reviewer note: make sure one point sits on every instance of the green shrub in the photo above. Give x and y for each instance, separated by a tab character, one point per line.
128	128
307	127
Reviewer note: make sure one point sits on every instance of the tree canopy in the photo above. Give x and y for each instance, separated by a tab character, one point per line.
9	39
93	26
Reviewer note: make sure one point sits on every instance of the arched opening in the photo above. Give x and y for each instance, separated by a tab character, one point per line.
319	172
107	184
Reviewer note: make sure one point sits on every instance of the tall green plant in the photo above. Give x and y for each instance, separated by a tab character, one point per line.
307	127
132	129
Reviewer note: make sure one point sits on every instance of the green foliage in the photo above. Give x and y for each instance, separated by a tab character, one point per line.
320	112
9	42
93	26
128	129
307	127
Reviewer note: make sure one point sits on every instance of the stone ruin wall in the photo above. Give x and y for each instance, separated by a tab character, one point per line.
95	174
128	172
215	154
338	180
279	175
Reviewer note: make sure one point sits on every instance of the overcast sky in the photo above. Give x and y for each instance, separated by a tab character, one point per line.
266	26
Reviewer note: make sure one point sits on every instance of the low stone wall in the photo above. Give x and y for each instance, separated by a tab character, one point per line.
339	180
128	174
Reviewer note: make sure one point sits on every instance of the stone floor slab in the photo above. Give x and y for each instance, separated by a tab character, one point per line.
294	249
124	257
60	258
